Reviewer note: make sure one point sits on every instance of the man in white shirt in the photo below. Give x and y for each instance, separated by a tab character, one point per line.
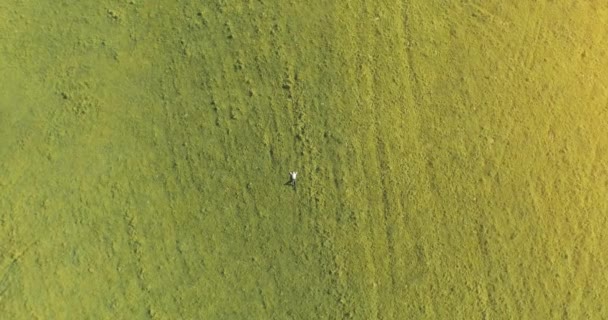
292	179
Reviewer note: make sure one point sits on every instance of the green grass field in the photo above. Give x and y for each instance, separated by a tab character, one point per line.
451	158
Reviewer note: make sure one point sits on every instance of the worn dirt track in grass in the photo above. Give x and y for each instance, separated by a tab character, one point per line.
451	159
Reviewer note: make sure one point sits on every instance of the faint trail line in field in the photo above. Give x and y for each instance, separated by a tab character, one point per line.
538	33
482	242
6	282
370	230
136	249
9	269
385	172
273	129
409	42
490	25
386	127
487	13
530	40
183	168
356	198
299	118
178	137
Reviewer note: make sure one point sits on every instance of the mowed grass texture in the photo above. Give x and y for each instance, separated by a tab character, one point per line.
451	160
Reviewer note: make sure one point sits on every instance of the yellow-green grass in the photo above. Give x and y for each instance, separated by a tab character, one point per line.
451	159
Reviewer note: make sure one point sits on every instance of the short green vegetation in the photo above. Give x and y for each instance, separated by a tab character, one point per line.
451	159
